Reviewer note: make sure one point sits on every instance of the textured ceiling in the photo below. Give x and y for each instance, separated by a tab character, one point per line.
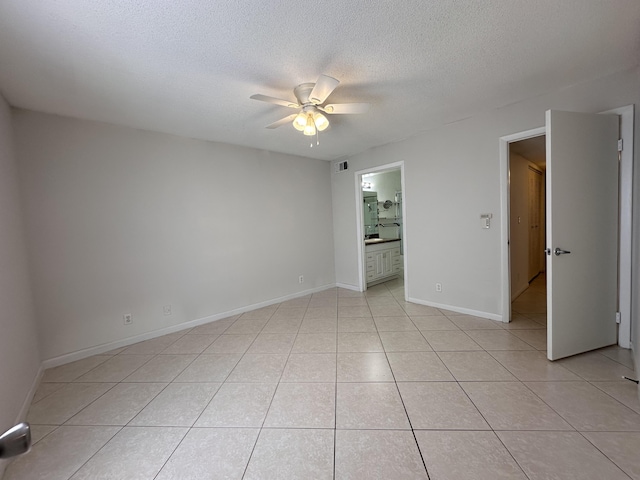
188	67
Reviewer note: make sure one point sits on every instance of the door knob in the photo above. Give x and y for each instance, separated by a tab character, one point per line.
559	251
15	441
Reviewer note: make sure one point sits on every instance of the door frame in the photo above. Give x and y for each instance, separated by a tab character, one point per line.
626	115
362	275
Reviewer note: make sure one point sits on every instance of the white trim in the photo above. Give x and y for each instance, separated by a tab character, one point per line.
22	415
125	342
464	311
362	284
626	222
504	213
347	286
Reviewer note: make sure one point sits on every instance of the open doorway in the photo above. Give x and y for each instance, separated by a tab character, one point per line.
381	228
527	165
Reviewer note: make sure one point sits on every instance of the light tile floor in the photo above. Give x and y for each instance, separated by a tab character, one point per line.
341	384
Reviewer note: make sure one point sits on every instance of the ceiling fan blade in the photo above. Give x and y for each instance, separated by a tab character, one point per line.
323	88
282	121
340	108
277	101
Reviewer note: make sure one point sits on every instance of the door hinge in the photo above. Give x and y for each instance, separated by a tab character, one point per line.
617	317
620	145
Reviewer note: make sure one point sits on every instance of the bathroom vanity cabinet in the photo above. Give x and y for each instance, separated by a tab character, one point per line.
383	260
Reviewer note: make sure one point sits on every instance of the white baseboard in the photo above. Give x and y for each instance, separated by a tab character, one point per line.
465	311
125	342
348	286
22	414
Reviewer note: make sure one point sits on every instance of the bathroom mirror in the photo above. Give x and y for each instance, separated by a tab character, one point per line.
370	213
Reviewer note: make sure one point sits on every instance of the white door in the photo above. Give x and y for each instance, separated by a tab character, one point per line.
582	218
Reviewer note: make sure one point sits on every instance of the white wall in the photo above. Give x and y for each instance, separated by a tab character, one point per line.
19	355
126	221
452	175
519	231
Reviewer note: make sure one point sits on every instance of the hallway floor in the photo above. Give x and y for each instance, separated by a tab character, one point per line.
341	384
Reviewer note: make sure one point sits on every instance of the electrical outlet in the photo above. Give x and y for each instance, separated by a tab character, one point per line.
167	310
127	319
301	279
438	287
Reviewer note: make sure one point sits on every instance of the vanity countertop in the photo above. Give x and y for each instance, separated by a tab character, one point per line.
375	241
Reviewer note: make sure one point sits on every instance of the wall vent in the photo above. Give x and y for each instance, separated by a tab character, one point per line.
341	166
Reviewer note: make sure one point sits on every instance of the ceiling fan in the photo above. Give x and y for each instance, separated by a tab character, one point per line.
311	97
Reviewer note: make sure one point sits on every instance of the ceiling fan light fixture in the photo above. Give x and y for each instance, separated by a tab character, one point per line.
300	121
310	127
321	121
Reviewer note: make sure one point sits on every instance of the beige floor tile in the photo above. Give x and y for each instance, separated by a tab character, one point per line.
418	367
475	367
512	406
292	454
303	405
356	325
46	389
142	450
343	292
289	313
115	369
272	343
211	453
71	371
238	405
621	447
498	340
533	366
522	323
412	309
282	325
154	345
470	322
440	406
119	405
178	405
60	406
433	322
162	368
381	300
585	407
384	454
363	367
561	455
404	342
450	341
393	310
217	327
595	367
299	302
209	368
357	311
466	456
229	343
536	338
38	432
246	327
310	367
377	290
320	302
319	325
321	312
624	391
258	367
190	344
60	454
619	354
315	343
370	406
359	342
394	324
352	301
